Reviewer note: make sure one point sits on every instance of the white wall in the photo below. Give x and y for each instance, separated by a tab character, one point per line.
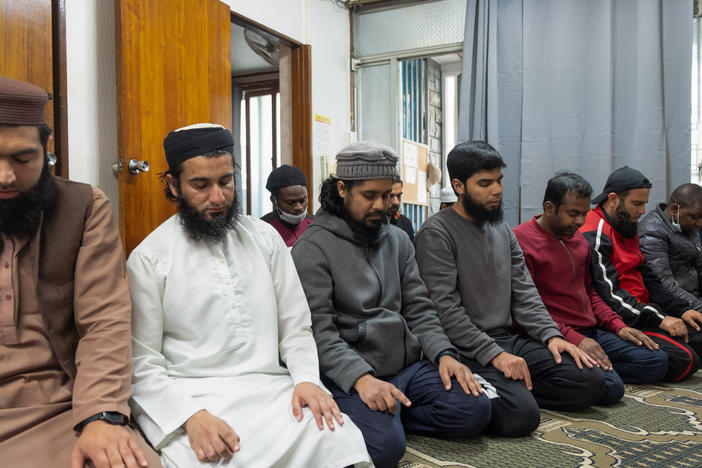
90	56
91	93
328	33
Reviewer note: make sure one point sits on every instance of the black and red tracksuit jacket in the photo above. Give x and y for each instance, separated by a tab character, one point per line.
621	277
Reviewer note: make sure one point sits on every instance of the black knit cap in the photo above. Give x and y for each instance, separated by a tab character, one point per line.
196	140
621	180
285	176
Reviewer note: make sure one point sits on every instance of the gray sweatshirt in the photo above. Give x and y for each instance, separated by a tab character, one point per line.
371	312
480	284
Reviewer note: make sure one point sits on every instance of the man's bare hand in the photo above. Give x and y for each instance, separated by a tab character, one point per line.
448	366
674	327
593	349
318	401
513	367
210	437
692	317
379	395
637	337
558	345
107	446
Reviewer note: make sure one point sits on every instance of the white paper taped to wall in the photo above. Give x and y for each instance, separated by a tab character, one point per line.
410	175
421	186
409	155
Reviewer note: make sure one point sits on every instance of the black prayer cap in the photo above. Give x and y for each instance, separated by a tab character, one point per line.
285	176
623	179
196	140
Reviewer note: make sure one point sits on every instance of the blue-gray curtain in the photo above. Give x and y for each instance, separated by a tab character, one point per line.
586	86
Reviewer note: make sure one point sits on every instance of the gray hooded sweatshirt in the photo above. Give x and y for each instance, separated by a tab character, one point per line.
371	312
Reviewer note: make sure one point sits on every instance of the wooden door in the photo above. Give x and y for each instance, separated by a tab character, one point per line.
25	35
32	35
173	69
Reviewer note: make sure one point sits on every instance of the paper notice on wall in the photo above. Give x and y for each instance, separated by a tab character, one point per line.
409	154
321	149
322	125
421	186
410	175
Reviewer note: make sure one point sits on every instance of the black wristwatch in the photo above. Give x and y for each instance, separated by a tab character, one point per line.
110	417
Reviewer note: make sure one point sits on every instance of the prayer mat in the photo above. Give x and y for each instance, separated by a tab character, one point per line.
652	426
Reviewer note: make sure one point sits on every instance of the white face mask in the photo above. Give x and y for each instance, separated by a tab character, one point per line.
676	224
291	219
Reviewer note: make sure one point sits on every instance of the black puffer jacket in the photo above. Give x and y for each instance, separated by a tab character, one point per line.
674	257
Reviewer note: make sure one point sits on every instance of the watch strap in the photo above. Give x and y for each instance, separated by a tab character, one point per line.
110	417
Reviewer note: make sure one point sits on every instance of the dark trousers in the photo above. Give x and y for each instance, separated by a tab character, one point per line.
683	358
558	386
632	363
434	412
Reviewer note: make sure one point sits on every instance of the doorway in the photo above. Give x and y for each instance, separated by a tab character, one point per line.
270	84
173	69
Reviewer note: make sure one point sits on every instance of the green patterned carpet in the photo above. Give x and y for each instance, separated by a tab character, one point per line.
652	426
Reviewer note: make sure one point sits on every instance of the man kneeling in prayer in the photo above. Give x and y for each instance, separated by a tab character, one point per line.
379	338
225	365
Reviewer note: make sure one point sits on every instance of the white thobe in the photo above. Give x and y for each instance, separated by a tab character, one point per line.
212	324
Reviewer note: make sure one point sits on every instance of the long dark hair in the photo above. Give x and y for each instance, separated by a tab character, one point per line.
329	197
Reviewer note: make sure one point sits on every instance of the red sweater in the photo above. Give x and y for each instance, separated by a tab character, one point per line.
561	272
289	235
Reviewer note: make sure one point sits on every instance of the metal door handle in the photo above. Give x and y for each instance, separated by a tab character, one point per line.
135	166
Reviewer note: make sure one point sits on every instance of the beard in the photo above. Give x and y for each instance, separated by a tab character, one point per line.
365	233
210	230
622	222
22	214
479	213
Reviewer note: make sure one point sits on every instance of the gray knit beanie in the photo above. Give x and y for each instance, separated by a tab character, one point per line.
366	160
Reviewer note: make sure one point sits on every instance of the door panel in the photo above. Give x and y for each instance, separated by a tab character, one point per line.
26	52
173	69
301	102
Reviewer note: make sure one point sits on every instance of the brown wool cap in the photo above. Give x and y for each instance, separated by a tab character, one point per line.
22	103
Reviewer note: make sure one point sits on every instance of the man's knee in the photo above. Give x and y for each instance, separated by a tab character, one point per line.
614	389
382	432
681	366
514	417
588	389
683	362
387	447
655	366
464	415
